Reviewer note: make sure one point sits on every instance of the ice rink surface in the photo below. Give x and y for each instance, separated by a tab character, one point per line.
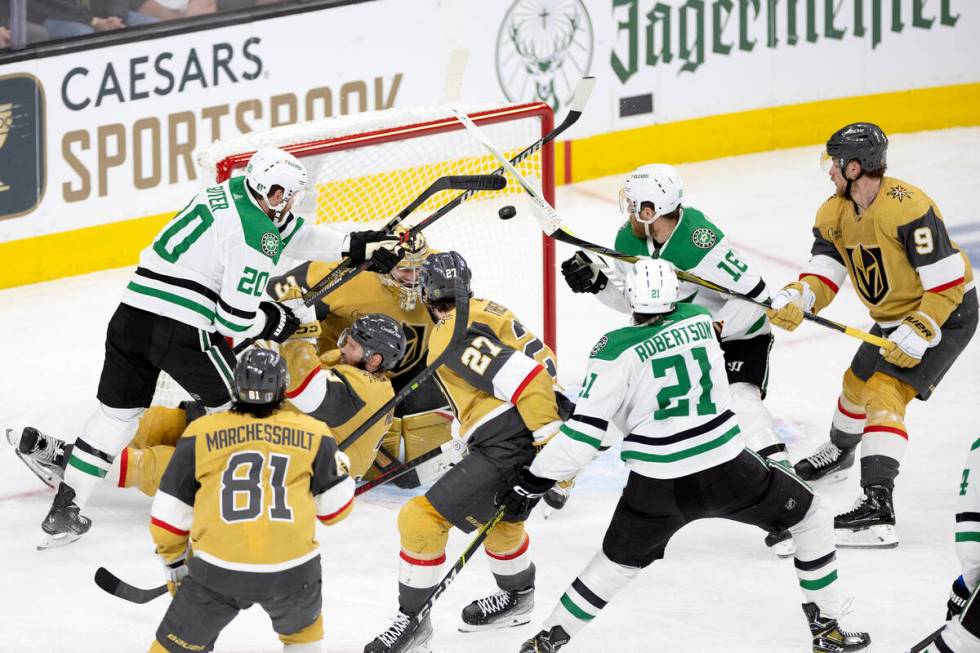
719	588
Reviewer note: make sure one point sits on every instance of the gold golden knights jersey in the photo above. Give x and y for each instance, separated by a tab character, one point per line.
341	395
365	293
245	494
897	253
502	366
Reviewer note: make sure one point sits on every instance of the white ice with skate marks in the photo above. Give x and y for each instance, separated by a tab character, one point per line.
719	589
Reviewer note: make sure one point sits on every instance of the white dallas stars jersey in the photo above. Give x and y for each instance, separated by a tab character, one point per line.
209	265
698	246
661	384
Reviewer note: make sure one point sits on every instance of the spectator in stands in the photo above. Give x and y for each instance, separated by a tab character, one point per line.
67	18
171	9
35	33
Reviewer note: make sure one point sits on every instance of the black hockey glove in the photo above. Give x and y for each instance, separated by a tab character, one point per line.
957	598
581	275
527	490
378	247
280	322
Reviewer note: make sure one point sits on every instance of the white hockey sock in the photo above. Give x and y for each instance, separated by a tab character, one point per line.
598	583
816	559
106	432
756	423
848	417
416	578
955	638
309	647
512	570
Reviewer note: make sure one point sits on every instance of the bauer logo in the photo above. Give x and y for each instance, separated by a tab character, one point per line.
543	48
22	138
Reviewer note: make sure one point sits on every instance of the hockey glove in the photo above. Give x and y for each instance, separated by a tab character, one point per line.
527	490
378	247
175	573
582	275
786	309
958	597
280	322
917	333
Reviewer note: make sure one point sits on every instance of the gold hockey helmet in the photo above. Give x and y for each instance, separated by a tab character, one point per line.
404	277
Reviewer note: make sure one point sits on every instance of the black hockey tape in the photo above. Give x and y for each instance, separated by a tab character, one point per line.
479	182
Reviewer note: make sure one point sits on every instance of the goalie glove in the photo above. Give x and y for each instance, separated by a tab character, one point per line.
582	275
958	597
380	248
280	322
787	307
917	333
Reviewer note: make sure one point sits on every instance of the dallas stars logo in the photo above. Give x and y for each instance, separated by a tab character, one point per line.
704	238
270	244
899	193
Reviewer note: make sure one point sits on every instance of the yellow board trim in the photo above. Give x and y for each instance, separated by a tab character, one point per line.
772	128
118	244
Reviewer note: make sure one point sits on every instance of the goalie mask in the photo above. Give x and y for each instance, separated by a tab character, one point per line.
377	333
404	277
652	287
261	377
271	167
658	184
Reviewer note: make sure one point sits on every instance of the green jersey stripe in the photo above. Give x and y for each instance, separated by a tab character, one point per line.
975	445
172	298
231	325
581	437
83	466
819	583
968	537
684	453
576	611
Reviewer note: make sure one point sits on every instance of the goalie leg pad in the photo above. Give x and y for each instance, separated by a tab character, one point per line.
423	432
105	434
390	442
160	425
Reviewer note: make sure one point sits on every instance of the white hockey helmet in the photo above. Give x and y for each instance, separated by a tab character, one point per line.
657	183
652	287
270	167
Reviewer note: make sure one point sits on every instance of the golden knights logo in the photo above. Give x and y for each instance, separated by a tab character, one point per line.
415	351
868	271
899	193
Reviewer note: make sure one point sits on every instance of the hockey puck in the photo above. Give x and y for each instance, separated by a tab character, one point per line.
506	212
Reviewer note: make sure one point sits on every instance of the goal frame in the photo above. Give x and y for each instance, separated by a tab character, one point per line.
227	165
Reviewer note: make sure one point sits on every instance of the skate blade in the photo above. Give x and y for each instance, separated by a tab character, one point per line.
784	549
832	477
513	622
12	437
871	537
546	511
47	477
55	541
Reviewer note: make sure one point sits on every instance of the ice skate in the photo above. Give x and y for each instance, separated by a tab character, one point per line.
828	463
547	641
871	523
503	609
63	524
829	637
781	543
405	635
44	455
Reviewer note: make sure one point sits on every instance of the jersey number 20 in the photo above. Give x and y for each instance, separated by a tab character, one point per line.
242	492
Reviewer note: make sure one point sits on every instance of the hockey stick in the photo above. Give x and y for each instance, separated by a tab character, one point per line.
117	587
926	642
394	472
344	272
550	222
462	297
459	564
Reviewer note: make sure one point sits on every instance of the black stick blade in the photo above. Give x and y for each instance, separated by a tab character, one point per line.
110	583
478	182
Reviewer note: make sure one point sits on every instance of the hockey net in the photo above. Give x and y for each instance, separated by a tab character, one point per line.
363	169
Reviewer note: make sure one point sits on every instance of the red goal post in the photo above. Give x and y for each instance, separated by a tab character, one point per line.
365	168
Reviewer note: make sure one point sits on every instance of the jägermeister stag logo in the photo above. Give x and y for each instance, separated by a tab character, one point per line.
868	266
543	48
